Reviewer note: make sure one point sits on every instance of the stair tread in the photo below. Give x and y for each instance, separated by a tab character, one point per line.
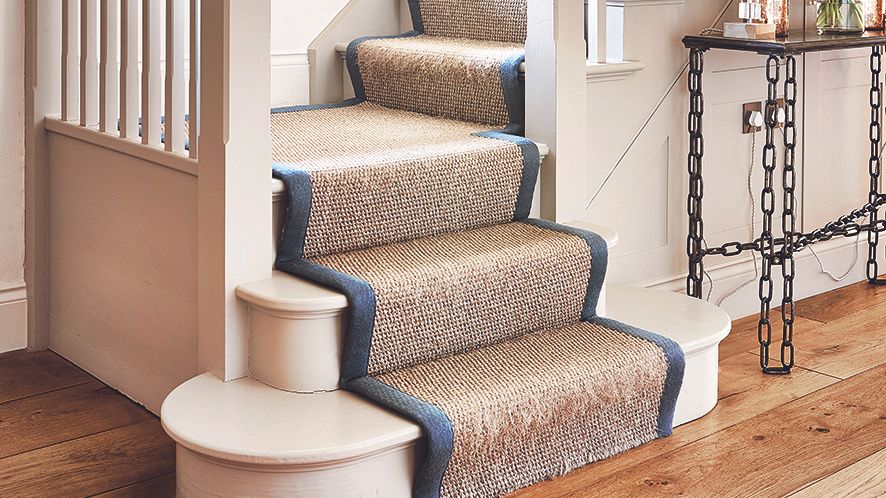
284	292
247	421
342	47
288	293
692	323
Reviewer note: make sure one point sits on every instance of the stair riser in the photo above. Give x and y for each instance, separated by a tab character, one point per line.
388	474
296	352
698	395
278	214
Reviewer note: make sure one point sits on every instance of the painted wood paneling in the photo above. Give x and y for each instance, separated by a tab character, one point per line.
124	279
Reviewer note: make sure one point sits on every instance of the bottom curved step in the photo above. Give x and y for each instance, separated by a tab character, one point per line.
244	438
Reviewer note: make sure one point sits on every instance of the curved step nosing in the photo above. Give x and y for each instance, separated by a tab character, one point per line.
294	308
304	461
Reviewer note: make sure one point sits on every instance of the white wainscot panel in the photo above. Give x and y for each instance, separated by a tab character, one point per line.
124	268
836	175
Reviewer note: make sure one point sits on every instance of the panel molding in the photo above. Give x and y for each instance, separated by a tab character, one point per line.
12	292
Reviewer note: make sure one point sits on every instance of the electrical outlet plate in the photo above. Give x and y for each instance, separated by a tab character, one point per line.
746	111
780	105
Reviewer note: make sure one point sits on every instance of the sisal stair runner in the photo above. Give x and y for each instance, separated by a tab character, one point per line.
477	322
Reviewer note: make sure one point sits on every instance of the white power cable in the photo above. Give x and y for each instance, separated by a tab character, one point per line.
753	236
753	221
851	267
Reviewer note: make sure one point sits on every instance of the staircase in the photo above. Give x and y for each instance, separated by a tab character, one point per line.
422	335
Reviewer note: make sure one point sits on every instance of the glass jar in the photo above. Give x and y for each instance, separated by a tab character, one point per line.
776	12
840	16
873	14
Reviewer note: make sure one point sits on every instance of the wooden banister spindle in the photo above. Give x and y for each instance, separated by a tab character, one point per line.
194	79
129	103
88	62
597	31
70	59
175	76
108	76
151	83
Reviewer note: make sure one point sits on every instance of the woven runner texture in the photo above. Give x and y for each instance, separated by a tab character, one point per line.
490	20
541	405
442	295
380	176
465	315
448	77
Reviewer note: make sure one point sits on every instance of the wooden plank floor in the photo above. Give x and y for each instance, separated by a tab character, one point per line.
819	432
66	434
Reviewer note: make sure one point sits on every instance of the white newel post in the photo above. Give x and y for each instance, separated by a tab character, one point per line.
556	102
43	96
234	186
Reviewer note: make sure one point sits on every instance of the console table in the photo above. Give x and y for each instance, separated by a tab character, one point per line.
777	250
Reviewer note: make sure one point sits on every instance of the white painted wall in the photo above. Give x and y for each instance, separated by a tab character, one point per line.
294	24
13	302
636	177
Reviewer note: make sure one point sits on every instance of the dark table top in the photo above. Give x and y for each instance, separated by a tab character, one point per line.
797	42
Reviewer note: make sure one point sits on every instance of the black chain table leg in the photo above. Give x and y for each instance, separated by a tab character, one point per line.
694	245
767	205
788	219
876	135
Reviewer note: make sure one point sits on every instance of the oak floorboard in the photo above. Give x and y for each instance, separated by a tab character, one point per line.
863	479
744	394
842	302
743	336
13	353
23	375
158	487
63	415
90	465
771	454
843	347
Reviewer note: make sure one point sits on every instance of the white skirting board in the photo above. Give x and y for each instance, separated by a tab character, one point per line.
13	318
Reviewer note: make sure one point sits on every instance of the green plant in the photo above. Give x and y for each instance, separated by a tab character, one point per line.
846	15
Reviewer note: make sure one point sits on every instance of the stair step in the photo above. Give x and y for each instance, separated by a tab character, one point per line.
697	326
296	328
337	443
278	189
342	48
243	438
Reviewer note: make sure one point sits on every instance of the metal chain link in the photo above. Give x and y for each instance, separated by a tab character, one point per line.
836	228
789	217
694	246
876	134
767	203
